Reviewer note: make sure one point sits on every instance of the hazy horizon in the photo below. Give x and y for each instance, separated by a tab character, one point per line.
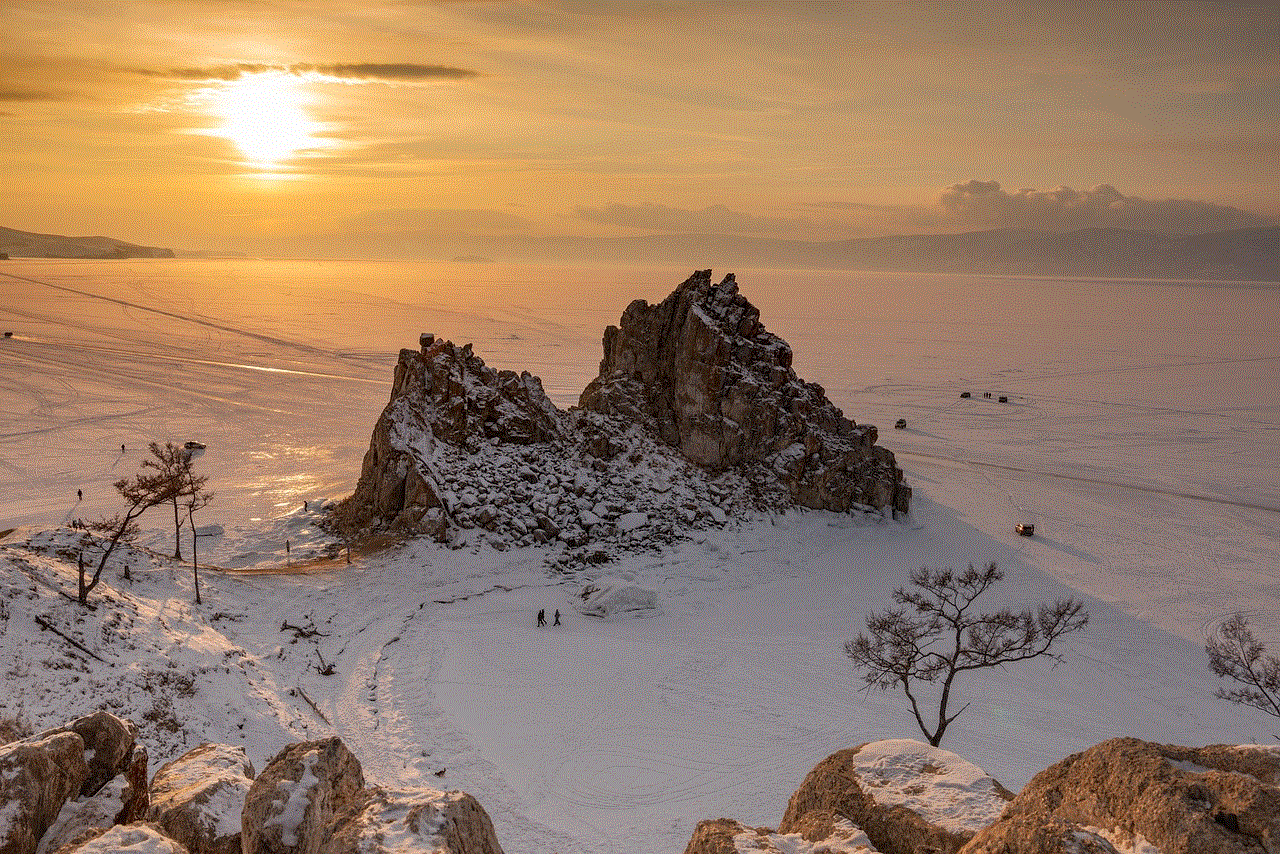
271	127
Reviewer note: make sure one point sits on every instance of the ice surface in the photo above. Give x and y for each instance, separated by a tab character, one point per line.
1140	437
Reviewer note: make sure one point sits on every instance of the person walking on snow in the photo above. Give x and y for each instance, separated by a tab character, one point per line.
542	617
79	495
557	620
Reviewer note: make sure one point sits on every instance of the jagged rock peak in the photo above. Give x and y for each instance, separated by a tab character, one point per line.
701	370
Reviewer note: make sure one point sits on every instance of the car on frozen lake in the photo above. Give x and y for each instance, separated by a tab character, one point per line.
192	445
1025	529
900	424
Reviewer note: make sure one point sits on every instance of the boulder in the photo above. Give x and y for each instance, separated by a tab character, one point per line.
291	806
198	798
906	796
131	838
1181	800
611	598
1028	834
108	744
404	822
37	776
726	836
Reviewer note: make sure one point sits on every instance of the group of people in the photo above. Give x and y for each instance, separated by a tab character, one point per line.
542	617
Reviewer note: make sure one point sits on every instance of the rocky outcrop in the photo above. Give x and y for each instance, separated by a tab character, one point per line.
726	836
133	837
198	798
696	417
292	804
108	744
905	795
37	776
701	369
310	799
1181	800
387	822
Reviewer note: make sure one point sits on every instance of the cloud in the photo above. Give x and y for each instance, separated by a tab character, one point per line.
713	219
984	204
357	72
13	96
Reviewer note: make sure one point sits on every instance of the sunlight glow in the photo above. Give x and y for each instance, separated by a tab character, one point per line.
264	116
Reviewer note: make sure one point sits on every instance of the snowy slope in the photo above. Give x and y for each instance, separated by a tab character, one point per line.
1143	447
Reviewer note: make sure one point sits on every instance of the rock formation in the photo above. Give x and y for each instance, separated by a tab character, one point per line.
37	775
1181	800
189	797
709	379
310	799
292	804
905	795
696	417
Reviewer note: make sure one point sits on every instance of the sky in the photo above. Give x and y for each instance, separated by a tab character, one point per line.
269	125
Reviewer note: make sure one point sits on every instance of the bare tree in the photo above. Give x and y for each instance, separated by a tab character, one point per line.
1237	655
141	492
172	463
197	499
935	638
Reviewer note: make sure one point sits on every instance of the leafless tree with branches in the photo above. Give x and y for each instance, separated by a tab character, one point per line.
1237	655
935	638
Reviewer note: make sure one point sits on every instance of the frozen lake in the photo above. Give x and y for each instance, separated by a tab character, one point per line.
1141	434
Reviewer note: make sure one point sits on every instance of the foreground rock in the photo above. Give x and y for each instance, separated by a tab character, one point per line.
37	776
430	821
696	417
1181	800
292	804
726	836
198	798
905	795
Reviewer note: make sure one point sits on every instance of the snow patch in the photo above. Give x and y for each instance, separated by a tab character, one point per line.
939	786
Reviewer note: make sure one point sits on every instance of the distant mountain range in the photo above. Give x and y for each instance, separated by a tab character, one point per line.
1249	253
27	244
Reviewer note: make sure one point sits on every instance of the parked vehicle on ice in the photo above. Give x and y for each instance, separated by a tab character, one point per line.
1026	529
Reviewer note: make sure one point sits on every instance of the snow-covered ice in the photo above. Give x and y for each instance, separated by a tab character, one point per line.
1140	436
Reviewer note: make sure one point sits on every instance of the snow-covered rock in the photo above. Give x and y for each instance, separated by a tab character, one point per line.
704	425
295	799
1178	800
701	371
108	743
614	598
37	776
198	798
726	836
903	793
422	821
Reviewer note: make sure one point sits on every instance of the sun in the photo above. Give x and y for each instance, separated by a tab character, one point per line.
264	116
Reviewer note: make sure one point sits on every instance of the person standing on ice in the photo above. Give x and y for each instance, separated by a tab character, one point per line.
79	495
556	622
542	616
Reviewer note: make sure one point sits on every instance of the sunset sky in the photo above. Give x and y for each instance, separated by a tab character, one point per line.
263	126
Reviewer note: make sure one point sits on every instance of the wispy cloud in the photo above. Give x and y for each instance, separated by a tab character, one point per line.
986	204
356	72
711	219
